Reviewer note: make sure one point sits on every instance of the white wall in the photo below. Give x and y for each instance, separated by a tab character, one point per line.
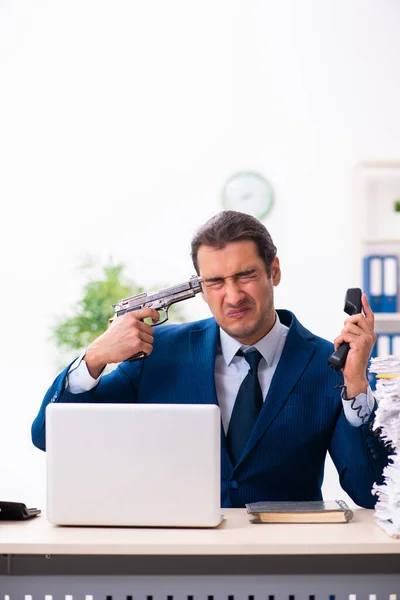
120	122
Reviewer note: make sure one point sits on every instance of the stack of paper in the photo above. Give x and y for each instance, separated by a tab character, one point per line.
387	419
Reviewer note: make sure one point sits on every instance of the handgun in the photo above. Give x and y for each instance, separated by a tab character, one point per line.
160	301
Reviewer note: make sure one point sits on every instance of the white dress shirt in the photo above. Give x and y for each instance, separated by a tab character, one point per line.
230	370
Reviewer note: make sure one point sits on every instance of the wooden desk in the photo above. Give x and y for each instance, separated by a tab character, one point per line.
356	557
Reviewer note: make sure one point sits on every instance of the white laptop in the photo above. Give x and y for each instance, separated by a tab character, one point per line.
133	464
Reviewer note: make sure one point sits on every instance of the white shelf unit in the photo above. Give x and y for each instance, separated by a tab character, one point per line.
377	226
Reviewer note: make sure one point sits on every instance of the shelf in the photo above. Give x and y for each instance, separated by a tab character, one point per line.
393	317
377	231
387	323
392	241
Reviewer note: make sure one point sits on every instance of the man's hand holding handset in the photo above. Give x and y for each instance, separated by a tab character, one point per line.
358	332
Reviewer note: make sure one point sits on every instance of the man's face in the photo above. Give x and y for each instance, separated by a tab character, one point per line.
237	289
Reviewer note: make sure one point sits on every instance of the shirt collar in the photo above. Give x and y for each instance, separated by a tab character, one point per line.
266	346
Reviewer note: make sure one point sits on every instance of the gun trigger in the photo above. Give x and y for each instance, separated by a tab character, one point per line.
162	317
137	356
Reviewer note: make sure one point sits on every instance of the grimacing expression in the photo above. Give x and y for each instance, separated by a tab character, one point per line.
238	290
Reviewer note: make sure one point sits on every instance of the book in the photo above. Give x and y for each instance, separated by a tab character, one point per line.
318	511
387	421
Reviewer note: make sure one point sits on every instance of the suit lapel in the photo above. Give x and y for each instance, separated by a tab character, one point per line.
296	355
203	349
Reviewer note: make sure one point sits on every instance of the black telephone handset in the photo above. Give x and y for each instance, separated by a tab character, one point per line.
17	511
353	306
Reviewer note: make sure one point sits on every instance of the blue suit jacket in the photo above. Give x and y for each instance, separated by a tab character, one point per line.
301	419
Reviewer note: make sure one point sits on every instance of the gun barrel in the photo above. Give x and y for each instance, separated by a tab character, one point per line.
162	298
192	287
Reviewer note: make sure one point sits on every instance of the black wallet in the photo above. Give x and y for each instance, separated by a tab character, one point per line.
17	511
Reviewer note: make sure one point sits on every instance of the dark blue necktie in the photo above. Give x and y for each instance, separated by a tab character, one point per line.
248	404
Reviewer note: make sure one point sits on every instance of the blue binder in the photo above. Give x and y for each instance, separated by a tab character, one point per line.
395	349
373	281
390	283
383	344
372	376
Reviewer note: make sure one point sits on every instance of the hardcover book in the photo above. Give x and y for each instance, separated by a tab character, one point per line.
335	511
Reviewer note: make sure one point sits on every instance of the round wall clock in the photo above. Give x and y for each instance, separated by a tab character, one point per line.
248	192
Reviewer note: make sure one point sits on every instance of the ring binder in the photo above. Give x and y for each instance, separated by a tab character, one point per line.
372	281
390	284
381	282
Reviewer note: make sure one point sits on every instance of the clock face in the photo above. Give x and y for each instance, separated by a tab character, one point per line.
248	192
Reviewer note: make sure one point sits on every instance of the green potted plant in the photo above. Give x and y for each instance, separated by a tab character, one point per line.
90	316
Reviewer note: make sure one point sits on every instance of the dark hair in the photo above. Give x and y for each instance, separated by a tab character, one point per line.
232	226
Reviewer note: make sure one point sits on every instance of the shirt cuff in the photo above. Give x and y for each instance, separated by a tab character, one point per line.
357	410
79	379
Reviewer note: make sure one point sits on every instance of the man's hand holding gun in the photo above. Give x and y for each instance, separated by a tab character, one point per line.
129	337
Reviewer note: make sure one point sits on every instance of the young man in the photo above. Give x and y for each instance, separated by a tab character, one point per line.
273	450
